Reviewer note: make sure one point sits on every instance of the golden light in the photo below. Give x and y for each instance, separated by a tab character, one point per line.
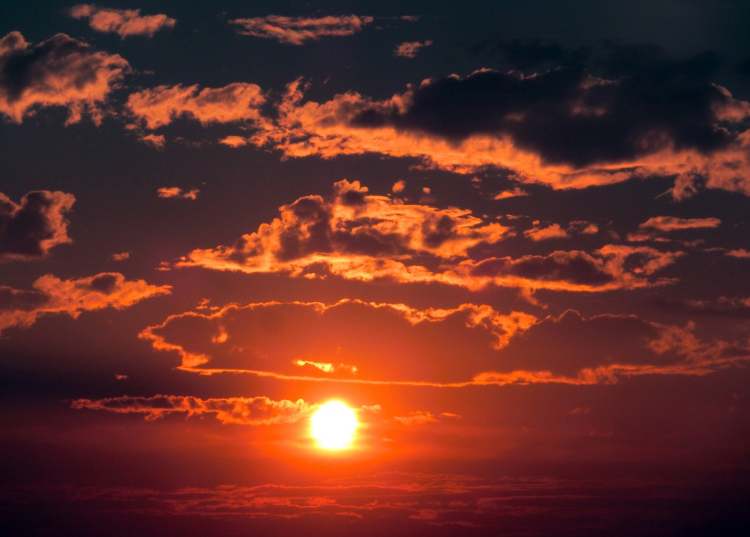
334	425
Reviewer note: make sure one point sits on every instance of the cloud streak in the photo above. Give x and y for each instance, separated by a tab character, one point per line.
299	30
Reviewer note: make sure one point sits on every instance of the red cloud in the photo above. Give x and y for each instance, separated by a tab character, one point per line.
470	345
209	342
60	71
31	228
51	295
160	106
297	30
123	22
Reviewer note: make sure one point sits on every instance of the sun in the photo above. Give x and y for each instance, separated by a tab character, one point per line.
334	425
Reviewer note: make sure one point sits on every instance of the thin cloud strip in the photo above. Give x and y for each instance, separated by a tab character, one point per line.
298	30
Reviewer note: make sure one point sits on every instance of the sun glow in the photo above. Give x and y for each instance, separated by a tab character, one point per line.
334	425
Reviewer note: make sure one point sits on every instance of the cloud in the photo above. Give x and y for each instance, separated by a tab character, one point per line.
60	71
565	127
30	228
120	256
160	106
177	192
673	223
123	22
255	411
298	30
157	141
424	417
552	231
470	345
512	193
739	253
235	338
51	295
410	49
361	236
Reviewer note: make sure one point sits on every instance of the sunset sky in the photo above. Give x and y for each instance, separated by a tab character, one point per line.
376	268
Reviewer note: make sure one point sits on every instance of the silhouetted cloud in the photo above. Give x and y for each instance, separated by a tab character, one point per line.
30	228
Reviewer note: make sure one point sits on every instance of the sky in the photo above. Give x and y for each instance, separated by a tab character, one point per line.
511	237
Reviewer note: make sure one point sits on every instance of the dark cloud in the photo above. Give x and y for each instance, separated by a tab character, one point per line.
31	228
570	116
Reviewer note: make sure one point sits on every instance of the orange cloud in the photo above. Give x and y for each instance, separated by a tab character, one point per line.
361	236
51	295
123	22
60	71
553	231
157	141
427	122
410	49
31	228
120	256
297	30
177	192
160	106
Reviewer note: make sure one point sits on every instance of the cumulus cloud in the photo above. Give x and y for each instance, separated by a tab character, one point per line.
357	235
30	228
568	127
410	49
60	71
168	192
342	340
160	106
259	410
298	30
51	295
123	22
